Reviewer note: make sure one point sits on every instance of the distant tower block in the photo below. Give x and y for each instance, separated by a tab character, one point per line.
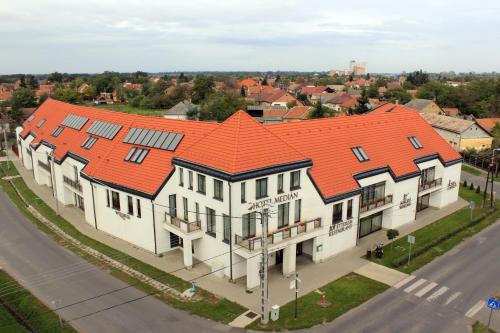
352	63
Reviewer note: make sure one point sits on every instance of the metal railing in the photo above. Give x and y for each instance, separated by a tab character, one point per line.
183	225
277	236
430	184
44	166
72	183
366	206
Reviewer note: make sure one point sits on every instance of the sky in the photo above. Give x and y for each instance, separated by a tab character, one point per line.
90	36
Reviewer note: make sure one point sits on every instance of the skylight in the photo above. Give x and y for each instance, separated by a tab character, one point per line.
89	142
136	155
57	131
414	141
40	123
360	154
31	117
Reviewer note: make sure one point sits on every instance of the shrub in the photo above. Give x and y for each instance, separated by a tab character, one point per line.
478	189
471	187
465	183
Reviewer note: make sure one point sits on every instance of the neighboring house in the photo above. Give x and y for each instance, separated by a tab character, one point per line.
340	102
132	86
336	87
461	134
104	98
393	85
298	113
248	83
452	112
424	106
285	99
45	89
180	110
488	123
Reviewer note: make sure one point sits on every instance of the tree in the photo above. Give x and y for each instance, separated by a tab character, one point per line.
392	234
22	81
221	106
363	102
373	92
68	95
23	98
32	82
264	82
242	91
418	78
55	77
43	97
203	87
319	111
398	94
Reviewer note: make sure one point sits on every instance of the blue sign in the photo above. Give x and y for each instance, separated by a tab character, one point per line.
493	304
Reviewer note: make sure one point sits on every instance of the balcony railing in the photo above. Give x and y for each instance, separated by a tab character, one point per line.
366	206
277	236
44	166
183	225
430	184
72	183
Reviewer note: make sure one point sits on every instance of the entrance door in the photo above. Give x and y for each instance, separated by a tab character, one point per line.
279	257
370	224
423	202
298	252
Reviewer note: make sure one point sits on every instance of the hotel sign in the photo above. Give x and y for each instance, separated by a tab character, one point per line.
337	228
274	200
405	202
451	184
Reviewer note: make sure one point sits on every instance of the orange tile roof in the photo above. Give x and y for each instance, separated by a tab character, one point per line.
309	90
241	144
298	112
106	157
274	112
248	83
488	123
451	111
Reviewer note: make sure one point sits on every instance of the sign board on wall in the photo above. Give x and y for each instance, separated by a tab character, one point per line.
273	200
340	227
406	202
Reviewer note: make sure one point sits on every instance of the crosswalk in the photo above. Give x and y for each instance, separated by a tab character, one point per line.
434	293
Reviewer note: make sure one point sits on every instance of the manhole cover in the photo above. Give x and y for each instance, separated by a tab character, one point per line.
251	315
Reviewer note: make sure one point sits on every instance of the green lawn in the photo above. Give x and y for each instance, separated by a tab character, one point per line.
344	294
207	305
30	309
428	246
471	170
130	109
480	328
8	324
8	169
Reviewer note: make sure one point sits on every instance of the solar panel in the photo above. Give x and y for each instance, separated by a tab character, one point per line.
57	131
167	141
40	123
74	121
178	137
104	129
136	155
153	138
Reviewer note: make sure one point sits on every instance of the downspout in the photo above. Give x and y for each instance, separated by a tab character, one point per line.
93	203
154	226
359	225
230	235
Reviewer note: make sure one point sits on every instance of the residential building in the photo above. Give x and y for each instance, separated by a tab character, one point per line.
203	188
488	123
452	112
180	110
424	106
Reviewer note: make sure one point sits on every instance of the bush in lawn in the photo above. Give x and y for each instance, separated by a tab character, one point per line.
465	183
478	189
471	187
392	234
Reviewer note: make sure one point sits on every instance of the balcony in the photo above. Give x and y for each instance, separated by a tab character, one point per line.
183	228
430	184
370	205
277	236
72	183
44	166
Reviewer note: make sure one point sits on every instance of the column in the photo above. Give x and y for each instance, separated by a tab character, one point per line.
289	259
253	268
187	254
317	252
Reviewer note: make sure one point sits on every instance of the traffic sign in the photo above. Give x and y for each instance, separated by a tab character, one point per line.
493	304
472	204
411	239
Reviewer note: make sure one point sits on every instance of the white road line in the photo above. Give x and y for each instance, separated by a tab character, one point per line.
475	309
415	285
426	289
404	281
453	297
437	293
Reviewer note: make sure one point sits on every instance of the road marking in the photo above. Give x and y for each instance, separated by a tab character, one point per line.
426	289
436	294
415	285
404	281
475	309
453	297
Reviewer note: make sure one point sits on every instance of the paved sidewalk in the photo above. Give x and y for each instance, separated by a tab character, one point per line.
313	275
381	273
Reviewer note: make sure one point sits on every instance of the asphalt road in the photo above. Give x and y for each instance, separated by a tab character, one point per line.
54	274
479	180
438	296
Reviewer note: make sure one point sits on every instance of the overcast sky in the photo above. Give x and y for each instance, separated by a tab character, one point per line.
41	36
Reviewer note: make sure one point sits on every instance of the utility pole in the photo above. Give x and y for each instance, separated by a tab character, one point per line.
296	292
264	319
50	158
4	130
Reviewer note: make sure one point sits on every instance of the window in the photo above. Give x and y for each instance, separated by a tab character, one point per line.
261	188
190	179
89	142
427	175
372	193
280	183
139	213
57	131
181	177
115	200
218	190
283	211
75	173
349	209
201	184
414	141
197	211
172	205
248	222
297	208
136	155
243	193
337	213
107	199
40	123
31	117
211	221
130	205
294	180
185	208
360	154
227	228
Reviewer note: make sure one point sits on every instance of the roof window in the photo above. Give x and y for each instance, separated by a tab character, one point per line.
136	155
89	142
57	131
40	123
414	141
360	154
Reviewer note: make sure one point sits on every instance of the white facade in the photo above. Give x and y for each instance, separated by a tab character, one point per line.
153	224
